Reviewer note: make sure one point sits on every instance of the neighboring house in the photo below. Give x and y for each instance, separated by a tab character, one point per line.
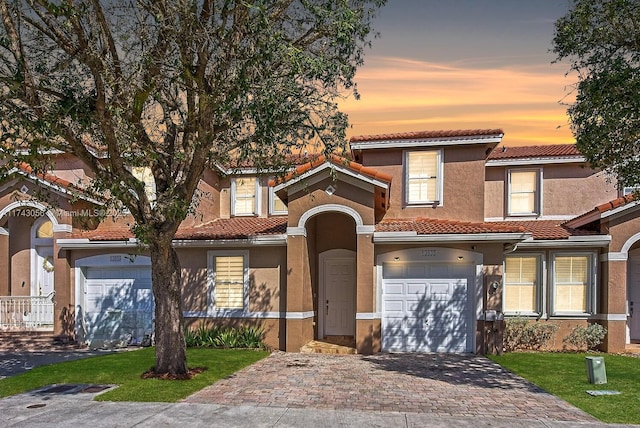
421	242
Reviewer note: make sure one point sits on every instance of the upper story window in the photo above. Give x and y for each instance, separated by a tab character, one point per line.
423	177
524	192
629	190
244	196
276	206
523	285
145	175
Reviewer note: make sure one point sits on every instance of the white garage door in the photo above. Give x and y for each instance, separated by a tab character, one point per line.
119	305
426	308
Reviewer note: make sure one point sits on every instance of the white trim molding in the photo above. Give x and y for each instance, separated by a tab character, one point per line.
84	243
368	315
365	230
330	208
535	161
609	317
296	231
411	237
426	142
629	243
247	314
613	257
299	315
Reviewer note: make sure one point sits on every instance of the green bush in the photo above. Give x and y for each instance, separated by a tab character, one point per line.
523	334
585	338
225	337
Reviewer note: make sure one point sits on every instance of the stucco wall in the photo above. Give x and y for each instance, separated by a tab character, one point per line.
567	189
463	189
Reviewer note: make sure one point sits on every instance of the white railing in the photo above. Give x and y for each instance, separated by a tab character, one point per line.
26	312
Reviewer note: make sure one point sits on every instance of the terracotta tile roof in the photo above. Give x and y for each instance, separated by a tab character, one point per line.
547	229
45	176
618	202
547	151
228	228
105	234
336	160
426	226
235	228
595	213
428	134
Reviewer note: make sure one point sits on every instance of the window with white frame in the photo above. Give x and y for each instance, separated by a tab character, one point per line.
276	205
523	285
244	196
573	284
524	192
629	190
228	273
423	177
145	175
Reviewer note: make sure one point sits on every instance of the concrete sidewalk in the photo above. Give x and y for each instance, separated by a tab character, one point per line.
16	362
31	410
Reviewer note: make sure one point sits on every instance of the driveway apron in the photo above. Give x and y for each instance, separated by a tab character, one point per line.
439	384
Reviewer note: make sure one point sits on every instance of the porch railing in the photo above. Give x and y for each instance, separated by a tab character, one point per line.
26	312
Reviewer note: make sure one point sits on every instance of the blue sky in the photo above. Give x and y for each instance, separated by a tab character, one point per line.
457	64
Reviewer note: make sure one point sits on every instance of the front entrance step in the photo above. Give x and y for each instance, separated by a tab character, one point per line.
325	347
26	340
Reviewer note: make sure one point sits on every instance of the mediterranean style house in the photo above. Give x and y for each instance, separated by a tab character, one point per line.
421	242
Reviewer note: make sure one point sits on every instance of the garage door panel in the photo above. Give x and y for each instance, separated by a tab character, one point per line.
119	305
431	315
395	288
416	288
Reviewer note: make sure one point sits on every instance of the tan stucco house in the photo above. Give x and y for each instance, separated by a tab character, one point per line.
421	242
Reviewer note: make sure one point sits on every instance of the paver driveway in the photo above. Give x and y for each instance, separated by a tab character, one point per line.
442	384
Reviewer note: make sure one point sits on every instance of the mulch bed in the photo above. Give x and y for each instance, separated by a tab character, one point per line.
191	373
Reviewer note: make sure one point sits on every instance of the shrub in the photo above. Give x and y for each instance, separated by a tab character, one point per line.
521	334
225	337
585	338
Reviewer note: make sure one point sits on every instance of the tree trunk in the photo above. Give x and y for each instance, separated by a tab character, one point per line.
171	354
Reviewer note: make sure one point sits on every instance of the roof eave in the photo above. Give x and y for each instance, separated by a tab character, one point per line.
535	161
572	241
425	142
411	237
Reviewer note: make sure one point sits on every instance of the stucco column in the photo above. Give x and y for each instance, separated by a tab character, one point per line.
613	305
64	321
299	304
4	262
367	325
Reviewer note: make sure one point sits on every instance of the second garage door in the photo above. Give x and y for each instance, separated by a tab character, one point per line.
427	308
119	305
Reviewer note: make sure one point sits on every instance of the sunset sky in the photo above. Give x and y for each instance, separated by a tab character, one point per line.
458	64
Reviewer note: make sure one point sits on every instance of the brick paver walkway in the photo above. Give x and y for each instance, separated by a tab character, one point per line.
445	385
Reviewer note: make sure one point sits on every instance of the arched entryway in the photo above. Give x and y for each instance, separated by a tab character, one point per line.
633	294
42	270
331	239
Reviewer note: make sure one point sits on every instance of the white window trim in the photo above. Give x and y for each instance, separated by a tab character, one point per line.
591	285
211	283
272	195
439	177
257	201
541	288
538	197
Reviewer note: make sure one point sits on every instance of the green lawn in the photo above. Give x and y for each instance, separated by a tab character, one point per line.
125	368
565	375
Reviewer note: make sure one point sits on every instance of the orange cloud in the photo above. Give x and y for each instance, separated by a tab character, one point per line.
399	95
